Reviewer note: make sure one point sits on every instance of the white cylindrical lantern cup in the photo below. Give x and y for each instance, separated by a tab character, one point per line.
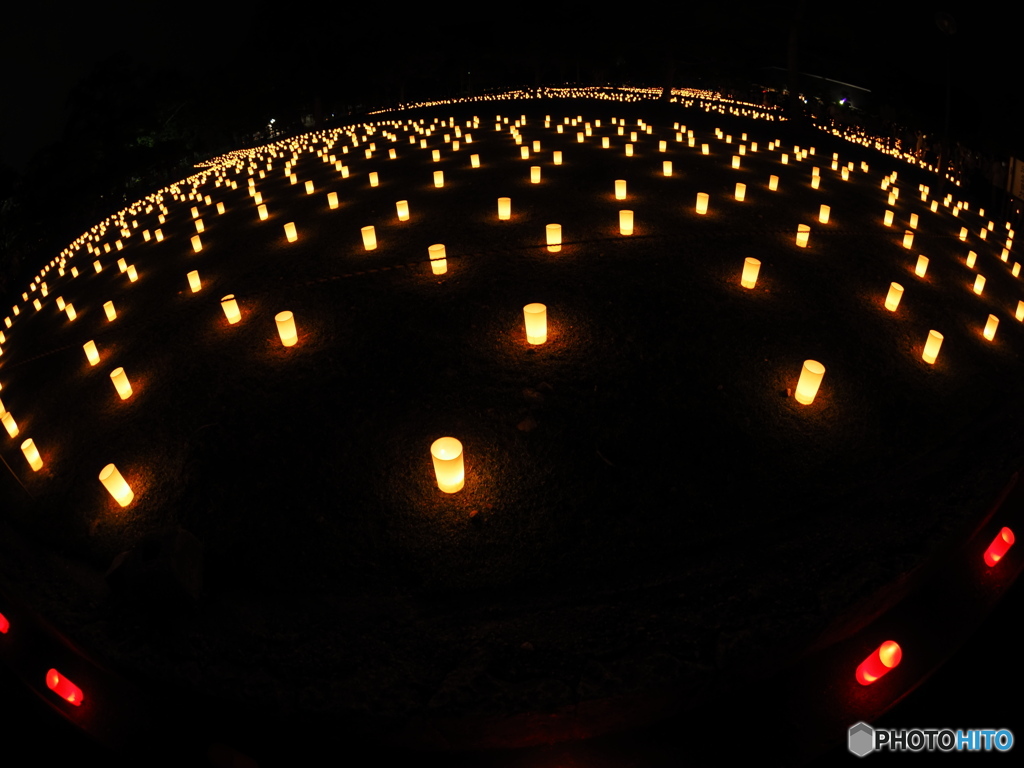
666	167
197	244
892	299
438	259
193	281
121	384
474	161
230	307
286	328
32	455
702	202
369	237
979	284
625	222
332	200
504	208
908	239
9	424
91	353
535	174
931	347
449	468
751	268
109	311
402	206
990	327
741	191
803	232
116	485
620	189
133	275
823	213
810	379
439	178
536	317
773	183
554	237
290	233
922	266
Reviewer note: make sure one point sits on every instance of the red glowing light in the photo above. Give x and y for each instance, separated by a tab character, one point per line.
885	657
1000	544
4	624
63	687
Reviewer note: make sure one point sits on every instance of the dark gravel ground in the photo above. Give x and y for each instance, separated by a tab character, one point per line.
644	506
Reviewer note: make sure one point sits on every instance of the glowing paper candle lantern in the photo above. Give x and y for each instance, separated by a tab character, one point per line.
666	167
773	183
1020	310
438	179
70	310
972	257
37	304
504	208
9	423
290	233
931	347
97	266
702	202
474	161
536	317
810	380
32	455
1016	270
963	233
332	200
159	238
922	266
1000	546
990	327
892	299
557	157
193	281
625	222
197	244
220	208
199	226
554	237
979	284
735	161
121	384
913	221
116	485
108	309
908	239
885	658
705	149
133	275
535	174
369	238
4	624
122	265
230	307
374	181
751	268
823	213
620	189
64	688
449	468
815	182
286	328
803	232
91	354
438	259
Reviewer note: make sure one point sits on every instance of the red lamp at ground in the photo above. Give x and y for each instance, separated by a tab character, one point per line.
64	688
1000	546
885	658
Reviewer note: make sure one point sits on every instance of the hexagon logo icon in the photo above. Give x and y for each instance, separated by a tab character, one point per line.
861	739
